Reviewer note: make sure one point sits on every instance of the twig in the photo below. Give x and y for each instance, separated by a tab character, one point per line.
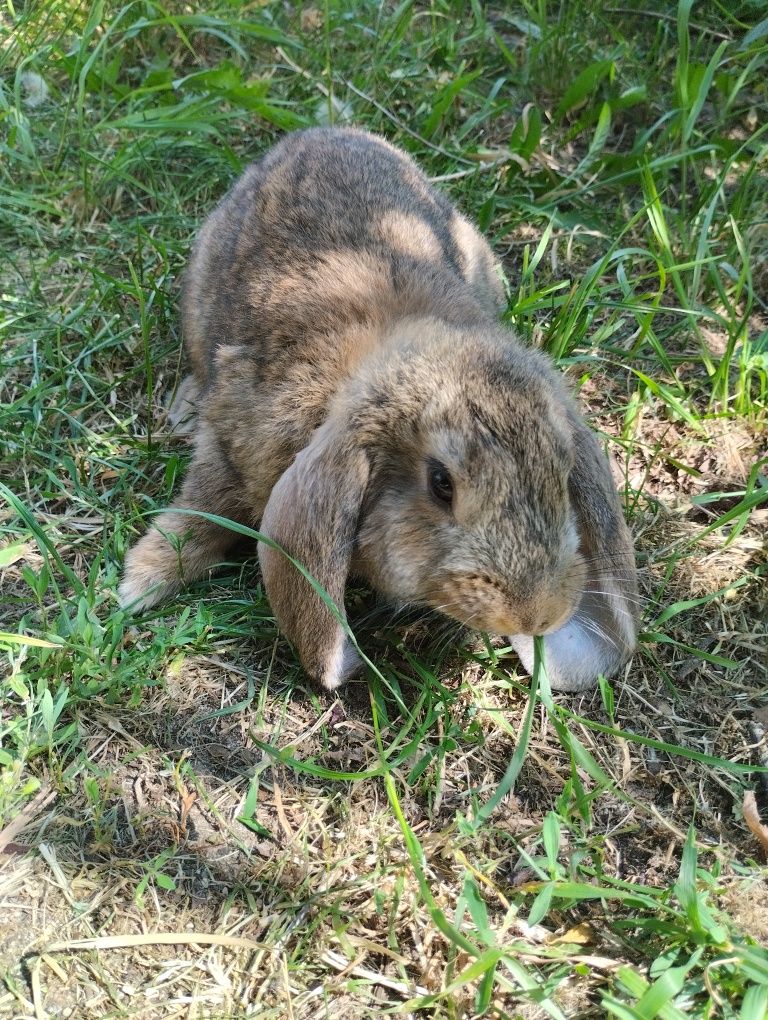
24	818
668	17
302	71
404	127
37	990
159	938
281	815
480	168
338	962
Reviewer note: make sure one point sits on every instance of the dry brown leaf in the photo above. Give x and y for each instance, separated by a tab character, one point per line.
13	552
581	935
311	19
752	818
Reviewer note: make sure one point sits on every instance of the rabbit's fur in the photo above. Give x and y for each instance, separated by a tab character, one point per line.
340	317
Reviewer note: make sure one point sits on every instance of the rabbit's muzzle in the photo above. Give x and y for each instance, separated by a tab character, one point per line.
534	606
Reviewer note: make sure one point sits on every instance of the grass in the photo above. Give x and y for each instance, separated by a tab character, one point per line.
187	828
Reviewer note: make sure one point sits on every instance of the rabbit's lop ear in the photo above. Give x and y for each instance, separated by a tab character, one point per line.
601	634
312	513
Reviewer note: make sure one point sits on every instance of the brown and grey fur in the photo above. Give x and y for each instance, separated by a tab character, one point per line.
340	317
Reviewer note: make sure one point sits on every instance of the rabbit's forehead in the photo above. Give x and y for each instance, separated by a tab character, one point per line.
474	454
496	480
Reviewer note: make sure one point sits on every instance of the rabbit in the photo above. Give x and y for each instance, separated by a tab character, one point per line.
358	400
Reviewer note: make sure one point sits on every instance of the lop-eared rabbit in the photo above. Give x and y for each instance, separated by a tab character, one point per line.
356	398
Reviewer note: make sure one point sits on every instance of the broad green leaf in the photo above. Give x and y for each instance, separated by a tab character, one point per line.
653	1001
758	32
755	1002
540	906
478	911
551	836
445	97
702	91
583	85
24	639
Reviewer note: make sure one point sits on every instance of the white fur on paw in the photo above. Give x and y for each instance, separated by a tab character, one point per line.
138	592
150	573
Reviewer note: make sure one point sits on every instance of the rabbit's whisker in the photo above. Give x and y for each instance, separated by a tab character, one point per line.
615	608
594	628
607	565
451	635
614	595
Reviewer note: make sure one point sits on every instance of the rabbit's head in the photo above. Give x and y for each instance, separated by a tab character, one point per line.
444	476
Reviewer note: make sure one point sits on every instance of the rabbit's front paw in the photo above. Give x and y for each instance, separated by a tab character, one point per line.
152	573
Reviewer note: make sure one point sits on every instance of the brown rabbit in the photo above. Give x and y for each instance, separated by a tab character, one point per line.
357	398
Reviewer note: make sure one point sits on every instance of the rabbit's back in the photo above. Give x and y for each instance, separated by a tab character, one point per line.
335	189
332	227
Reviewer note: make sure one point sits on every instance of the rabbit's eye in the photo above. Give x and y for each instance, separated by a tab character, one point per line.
440	484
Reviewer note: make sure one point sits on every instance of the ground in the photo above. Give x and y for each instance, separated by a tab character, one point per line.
187	827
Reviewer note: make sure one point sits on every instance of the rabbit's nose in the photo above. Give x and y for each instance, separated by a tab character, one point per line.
547	617
550	626
528	623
